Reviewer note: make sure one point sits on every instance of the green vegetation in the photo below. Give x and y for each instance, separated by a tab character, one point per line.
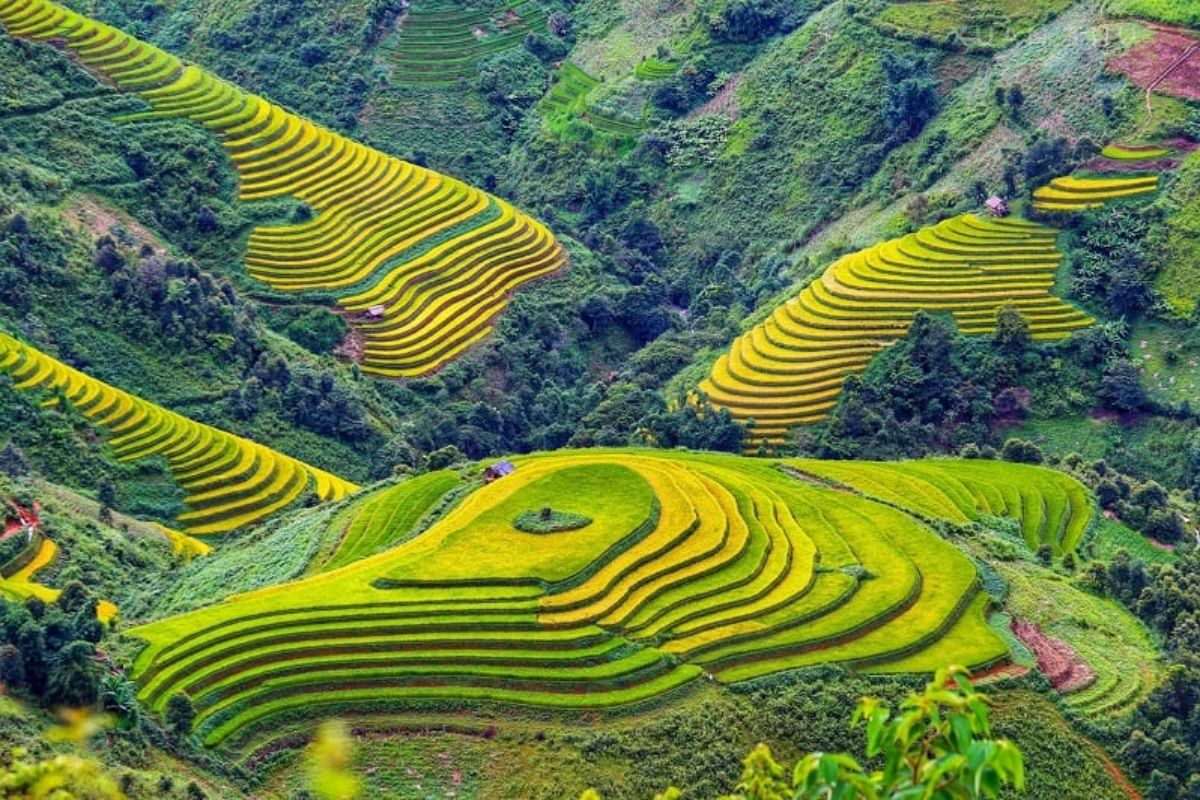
229	481
1120	152
1054	509
441	42
1179	280
549	520
1161	10
390	515
424	261
979	25
168	232
1109	640
651	69
937	742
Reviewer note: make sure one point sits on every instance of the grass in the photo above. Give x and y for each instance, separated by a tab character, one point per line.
549	520
1169	360
229	481
1111	536
1101	631
1169	11
788	370
691	560
980	24
422	263
1179	279
438	43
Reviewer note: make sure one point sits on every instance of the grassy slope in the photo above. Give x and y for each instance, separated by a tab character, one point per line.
1179	280
1104	634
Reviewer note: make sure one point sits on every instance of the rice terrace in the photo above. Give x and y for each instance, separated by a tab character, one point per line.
540	399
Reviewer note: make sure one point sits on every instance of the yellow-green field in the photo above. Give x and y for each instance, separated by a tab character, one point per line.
691	565
229	481
1080	194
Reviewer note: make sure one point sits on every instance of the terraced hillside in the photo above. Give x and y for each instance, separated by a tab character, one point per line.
229	481
567	99
691	564
1054	508
421	262
440	42
789	370
1079	194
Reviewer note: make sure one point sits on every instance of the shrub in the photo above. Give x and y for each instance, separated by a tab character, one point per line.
180	713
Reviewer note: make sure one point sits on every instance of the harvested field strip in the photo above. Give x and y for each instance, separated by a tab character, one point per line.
437	257
246	482
789	370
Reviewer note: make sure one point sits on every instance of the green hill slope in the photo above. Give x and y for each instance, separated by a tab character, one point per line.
705	563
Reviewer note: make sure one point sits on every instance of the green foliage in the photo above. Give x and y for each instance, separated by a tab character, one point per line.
1170	11
318	330
1112	267
549	520
937	745
979	25
180	713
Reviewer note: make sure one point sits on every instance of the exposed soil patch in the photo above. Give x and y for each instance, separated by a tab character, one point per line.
86	213
724	102
1056	659
1110	165
26	520
998	673
1168	63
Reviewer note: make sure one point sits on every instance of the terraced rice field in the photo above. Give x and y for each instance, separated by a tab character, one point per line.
439	42
692	565
654	70
1081	194
421	263
1115	663
789	370
1054	508
229	481
1120	152
567	100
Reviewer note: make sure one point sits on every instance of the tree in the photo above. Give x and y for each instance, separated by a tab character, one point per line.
1122	386
12	461
32	644
911	97
12	668
74	677
1016	98
106	492
74	597
180	713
